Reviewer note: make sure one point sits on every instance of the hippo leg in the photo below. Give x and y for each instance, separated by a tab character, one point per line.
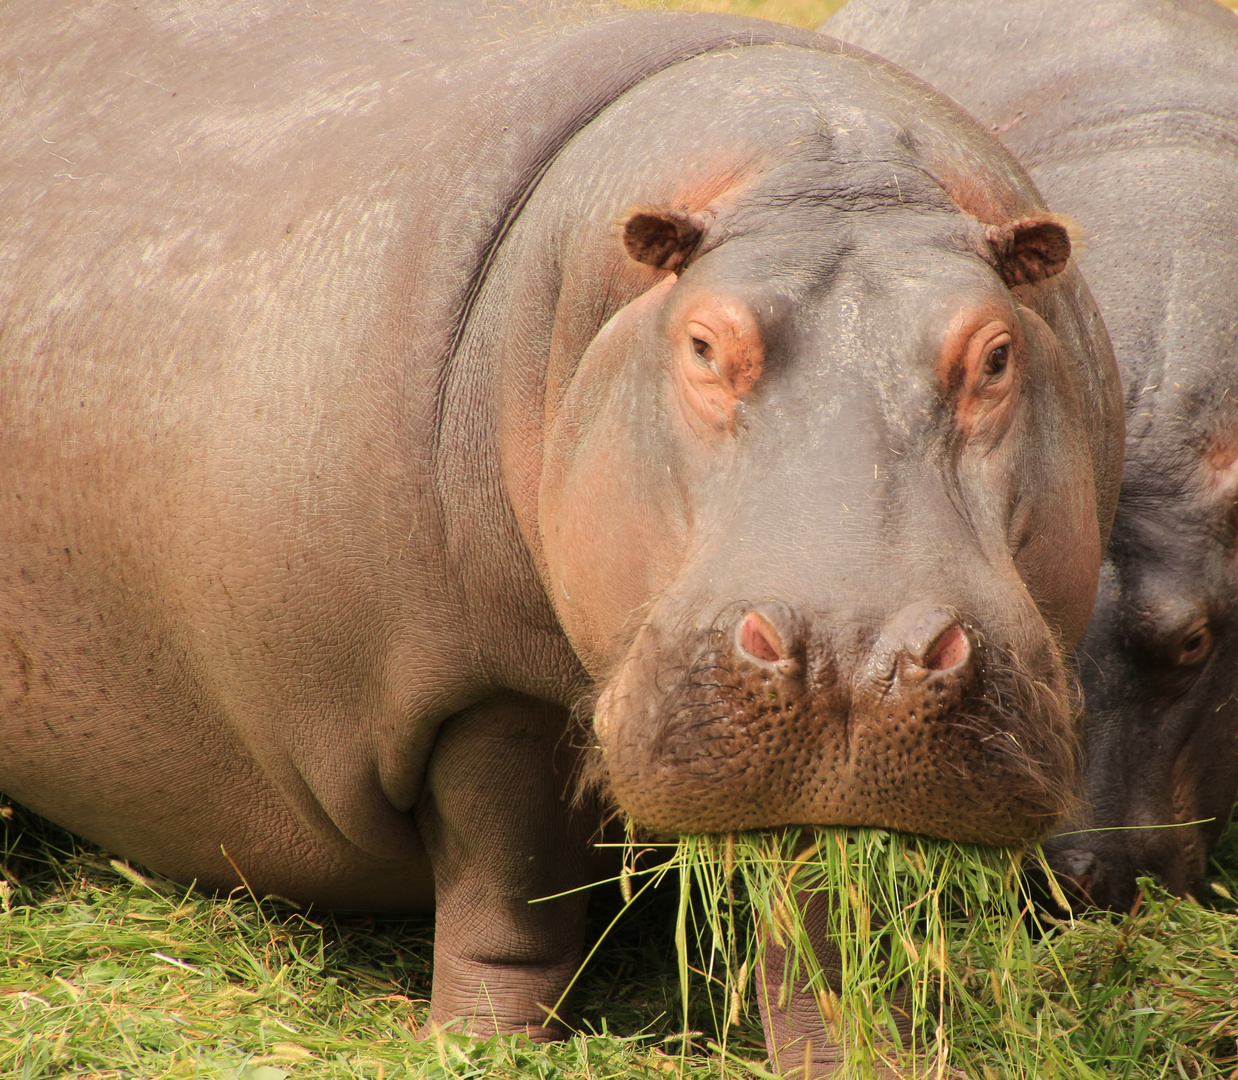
796	1037
501	831
799	1043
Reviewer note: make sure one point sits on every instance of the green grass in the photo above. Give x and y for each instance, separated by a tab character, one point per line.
985	983
109	972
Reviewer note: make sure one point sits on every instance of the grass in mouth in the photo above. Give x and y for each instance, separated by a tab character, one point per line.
944	965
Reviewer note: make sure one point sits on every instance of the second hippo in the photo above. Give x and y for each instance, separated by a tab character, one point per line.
1126	115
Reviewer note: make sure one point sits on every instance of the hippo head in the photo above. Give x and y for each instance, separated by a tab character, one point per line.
1157	664
821	503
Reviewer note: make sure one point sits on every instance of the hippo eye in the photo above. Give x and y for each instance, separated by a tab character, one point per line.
703	349
997	360
1195	645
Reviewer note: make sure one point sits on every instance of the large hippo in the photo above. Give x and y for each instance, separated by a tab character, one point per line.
1126	115
378	396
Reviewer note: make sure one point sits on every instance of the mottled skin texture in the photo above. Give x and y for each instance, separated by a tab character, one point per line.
357	432
1126	115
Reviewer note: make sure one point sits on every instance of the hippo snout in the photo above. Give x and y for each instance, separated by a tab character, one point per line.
921	640
776	714
925	659
1100	867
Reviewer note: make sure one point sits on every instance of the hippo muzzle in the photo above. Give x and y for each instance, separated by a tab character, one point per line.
754	721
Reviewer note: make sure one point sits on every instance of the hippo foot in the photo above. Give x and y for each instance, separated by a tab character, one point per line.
799	1044
510	857
484	999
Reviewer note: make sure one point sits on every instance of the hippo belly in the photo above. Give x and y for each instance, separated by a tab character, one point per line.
1126	115
383	396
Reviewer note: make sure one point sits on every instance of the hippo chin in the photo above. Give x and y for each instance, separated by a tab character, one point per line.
1126	115
379	388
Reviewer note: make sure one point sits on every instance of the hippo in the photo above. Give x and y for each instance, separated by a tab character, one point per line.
1126	115
427	433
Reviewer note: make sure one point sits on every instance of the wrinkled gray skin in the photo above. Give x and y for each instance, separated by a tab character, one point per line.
1126	115
348	450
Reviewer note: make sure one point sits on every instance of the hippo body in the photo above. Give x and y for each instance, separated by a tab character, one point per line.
349	449
1126	115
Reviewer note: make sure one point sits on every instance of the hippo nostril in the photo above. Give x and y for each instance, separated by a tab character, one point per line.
1078	868
949	650
1075	863
925	640
760	640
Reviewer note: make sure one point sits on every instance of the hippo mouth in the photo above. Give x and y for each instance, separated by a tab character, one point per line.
960	741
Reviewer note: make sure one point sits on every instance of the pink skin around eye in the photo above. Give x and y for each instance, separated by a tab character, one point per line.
984	384
718	359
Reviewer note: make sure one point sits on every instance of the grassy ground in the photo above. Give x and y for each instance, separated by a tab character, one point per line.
109	972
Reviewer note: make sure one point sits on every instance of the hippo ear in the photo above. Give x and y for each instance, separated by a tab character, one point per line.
1029	250
663	238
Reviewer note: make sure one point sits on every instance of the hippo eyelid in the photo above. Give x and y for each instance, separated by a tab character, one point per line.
997	360
1195	644
996	355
